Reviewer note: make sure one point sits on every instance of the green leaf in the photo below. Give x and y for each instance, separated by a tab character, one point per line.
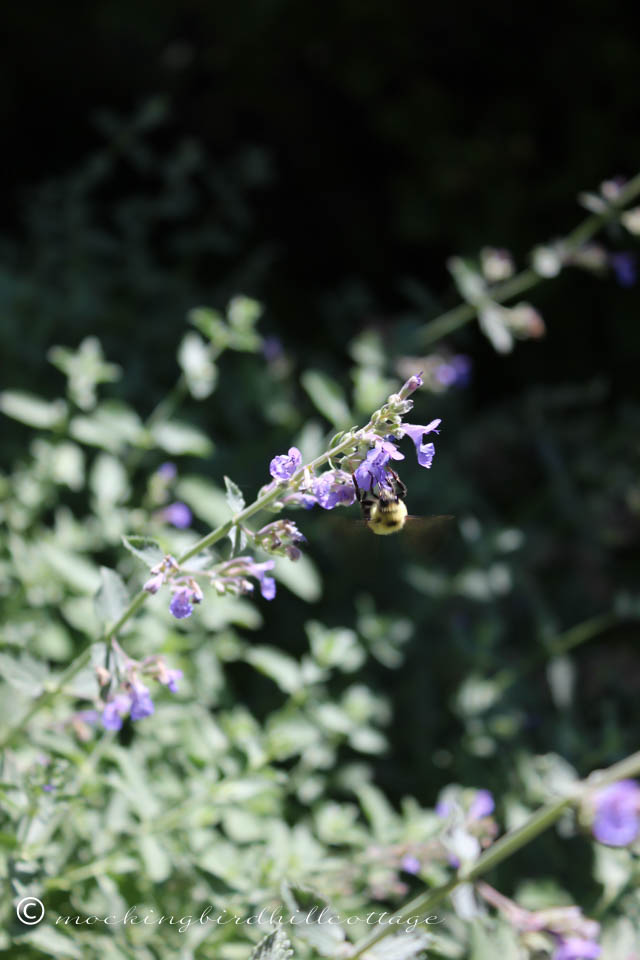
52	943
338	647
111	598
111	426
177	438
26	674
211	325
313	914
205	499
234	496
108	481
144	548
401	946
282	669
199	370
327	396
275	946
32	410
300	576
157	864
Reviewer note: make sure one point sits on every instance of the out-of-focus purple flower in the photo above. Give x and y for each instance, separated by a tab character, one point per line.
178	514
575	948
272	349
181	603
410	864
87	716
425	451
443	808
332	488
153	584
267	584
48	788
172	680
141	702
285	465
167	471
454	372
617	813
115	710
482	805
624	267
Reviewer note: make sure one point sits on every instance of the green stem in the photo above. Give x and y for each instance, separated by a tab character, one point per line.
505	847
452	320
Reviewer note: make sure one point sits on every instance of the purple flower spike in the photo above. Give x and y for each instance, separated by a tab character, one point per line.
180	605
285	465
115	710
482	805
425	451
410	864
142	704
575	948
617	817
178	515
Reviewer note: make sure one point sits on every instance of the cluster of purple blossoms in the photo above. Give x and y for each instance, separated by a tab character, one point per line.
616	819
280	537
232	577
132	698
374	471
572	936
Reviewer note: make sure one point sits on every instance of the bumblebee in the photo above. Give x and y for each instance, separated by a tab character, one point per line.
386	512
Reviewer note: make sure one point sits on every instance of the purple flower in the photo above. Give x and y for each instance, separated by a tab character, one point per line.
181	603
410	864
482	805
267	584
624	267
48	788
115	710
332	488
425	451
141	703
87	716
167	471
617	813
153	584
178	514
454	372
172	680
272	349
575	948
372	470
411	385
443	808
285	465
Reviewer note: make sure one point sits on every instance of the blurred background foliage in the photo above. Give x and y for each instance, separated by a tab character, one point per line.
327	161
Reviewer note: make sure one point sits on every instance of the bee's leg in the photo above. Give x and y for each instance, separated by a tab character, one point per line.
402	490
360	494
